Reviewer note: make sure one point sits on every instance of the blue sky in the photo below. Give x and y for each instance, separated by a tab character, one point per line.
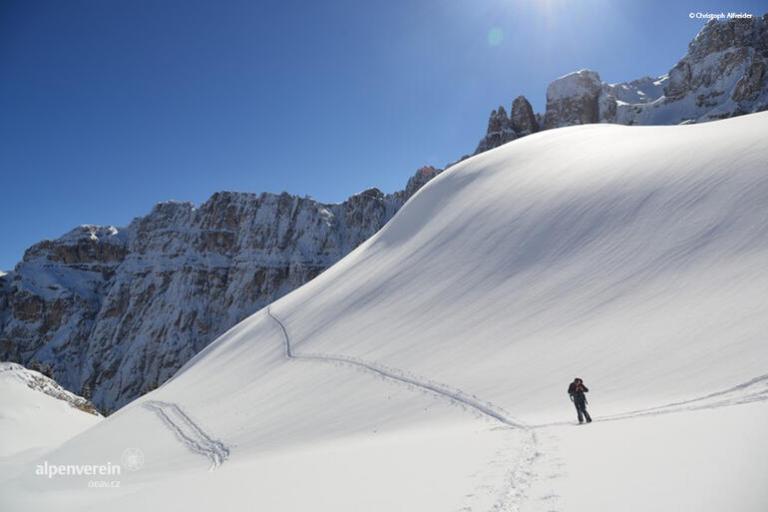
109	107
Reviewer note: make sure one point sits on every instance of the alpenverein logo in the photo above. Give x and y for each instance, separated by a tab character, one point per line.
132	459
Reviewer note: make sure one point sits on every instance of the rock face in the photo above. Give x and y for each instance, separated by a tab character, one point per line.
724	74
115	312
503	128
573	99
499	131
523	120
415	182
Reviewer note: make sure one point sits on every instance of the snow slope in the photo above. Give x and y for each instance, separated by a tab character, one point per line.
427	369
119	311
36	413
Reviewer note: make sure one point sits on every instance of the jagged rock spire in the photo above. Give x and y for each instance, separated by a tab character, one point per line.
499	131
522	118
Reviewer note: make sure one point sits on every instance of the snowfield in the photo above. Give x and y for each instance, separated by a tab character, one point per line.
428	369
36	413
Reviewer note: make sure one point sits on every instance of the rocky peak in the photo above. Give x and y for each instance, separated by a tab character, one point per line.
498	121
717	36
573	99
502	128
724	74
84	244
418	180
522	118
499	131
167	213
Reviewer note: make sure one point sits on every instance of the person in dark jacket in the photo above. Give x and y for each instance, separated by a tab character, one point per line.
576	391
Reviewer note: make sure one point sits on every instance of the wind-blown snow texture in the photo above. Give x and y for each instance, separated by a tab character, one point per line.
427	370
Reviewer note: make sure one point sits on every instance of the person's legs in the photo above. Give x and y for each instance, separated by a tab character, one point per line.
578	411
586	414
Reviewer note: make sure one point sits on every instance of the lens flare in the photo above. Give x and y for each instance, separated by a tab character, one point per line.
495	36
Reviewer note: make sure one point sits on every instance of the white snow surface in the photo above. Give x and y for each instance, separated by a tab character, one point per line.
427	370
35	412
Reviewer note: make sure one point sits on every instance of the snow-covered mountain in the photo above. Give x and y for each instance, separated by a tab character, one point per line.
724	74
427	370
37	413
116	312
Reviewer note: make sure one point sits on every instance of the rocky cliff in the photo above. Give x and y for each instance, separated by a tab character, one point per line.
114	312
503	128
722	75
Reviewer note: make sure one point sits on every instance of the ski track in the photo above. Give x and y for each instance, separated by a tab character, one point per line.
521	475
755	390
189	433
454	394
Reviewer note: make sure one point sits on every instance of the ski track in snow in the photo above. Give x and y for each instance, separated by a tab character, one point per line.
454	394
755	390
519	476
189	433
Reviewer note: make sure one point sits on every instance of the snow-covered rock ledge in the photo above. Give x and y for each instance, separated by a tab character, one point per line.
36	413
38	382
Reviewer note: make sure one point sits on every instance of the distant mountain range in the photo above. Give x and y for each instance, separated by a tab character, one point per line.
722	75
115	312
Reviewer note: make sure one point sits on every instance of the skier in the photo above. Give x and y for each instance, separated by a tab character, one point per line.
576	390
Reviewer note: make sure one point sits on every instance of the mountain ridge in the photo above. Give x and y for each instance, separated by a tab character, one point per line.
722	75
442	346
117	312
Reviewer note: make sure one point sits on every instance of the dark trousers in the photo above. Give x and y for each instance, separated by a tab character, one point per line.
581	410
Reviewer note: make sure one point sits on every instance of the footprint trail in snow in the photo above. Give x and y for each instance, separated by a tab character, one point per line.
189	433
